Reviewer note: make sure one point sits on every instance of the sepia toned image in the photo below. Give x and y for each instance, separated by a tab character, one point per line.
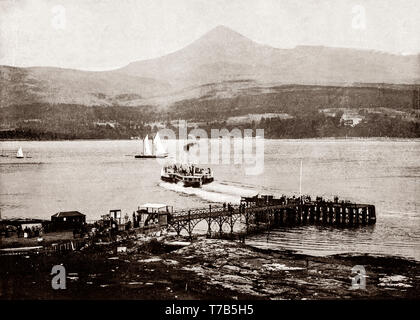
209	150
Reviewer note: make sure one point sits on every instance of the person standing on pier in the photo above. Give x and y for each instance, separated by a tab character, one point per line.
134	220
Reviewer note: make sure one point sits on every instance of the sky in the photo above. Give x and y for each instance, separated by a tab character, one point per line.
105	34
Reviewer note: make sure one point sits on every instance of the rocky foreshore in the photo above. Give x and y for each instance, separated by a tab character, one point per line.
205	269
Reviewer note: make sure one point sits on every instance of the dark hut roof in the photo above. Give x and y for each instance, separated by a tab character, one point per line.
68	214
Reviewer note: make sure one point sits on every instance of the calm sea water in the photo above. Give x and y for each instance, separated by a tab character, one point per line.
96	176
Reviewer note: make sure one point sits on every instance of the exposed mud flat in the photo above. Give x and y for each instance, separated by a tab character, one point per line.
205	269
286	275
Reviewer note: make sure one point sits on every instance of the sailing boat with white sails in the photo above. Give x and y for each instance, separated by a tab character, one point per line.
158	149
19	153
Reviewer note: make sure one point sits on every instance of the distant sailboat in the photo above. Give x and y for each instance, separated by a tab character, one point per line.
146	146
19	153
158	149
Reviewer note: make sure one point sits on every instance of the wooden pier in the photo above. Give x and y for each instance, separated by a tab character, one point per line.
265	212
252	215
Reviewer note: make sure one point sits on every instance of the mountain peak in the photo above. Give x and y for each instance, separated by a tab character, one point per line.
223	35
222	29
223	53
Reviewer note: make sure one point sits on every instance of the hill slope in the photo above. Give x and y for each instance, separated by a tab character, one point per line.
55	85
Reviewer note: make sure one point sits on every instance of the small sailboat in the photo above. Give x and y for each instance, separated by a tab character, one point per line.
19	153
158	149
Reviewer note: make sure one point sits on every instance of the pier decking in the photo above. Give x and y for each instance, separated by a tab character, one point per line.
264	212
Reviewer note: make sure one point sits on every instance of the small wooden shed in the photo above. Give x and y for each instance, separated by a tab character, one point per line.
68	219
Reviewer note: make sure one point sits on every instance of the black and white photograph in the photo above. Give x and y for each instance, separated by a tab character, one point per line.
209	150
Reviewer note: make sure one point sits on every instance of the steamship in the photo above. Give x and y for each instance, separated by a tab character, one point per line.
188	175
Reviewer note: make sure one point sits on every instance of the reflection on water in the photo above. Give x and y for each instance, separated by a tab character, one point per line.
96	176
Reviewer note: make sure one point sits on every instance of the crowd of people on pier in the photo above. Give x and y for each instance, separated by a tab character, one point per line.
27	232
186	169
